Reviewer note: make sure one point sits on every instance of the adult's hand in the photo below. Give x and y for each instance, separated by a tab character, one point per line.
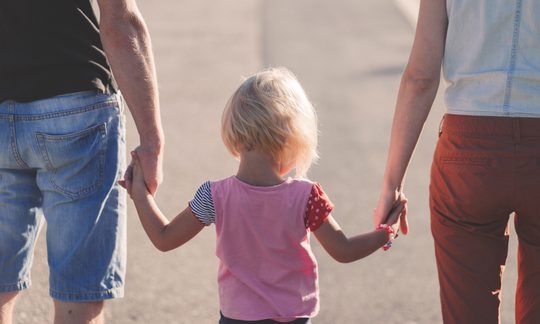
388	200
151	162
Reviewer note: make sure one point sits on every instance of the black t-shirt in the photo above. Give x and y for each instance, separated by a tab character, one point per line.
50	47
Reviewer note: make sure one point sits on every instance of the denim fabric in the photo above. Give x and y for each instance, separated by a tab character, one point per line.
491	60
61	158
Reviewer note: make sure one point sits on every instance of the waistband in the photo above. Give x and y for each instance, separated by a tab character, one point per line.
491	126
58	106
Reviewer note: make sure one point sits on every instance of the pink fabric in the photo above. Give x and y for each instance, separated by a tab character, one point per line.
267	268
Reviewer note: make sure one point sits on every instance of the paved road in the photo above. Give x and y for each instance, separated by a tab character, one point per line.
349	55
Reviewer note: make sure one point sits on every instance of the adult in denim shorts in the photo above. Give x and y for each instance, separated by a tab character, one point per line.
62	146
486	164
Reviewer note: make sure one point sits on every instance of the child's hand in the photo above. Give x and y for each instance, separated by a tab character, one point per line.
138	185
395	215
387	202
128	178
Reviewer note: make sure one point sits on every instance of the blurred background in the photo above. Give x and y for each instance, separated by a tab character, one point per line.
349	56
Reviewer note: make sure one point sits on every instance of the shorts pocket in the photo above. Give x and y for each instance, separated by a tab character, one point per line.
76	160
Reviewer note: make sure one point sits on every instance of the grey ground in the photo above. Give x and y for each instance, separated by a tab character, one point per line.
348	54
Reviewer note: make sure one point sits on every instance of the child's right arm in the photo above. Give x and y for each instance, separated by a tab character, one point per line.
164	235
348	249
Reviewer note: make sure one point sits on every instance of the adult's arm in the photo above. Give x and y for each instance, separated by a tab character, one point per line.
417	91
127	44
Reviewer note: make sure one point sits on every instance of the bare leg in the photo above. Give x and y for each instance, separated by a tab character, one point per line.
79	313
7	303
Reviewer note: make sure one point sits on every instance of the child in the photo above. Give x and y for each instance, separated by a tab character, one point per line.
267	271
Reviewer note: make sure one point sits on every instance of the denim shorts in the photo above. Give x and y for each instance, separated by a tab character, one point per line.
60	159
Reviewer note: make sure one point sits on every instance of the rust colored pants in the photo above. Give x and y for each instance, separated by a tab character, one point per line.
484	169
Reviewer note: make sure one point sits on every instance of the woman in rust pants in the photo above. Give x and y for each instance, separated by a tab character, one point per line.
487	161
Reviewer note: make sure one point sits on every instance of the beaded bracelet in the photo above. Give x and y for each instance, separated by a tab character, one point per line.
391	233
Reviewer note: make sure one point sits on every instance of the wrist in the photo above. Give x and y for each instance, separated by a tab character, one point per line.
141	200
140	194
153	147
391	188
389	231
154	141
390	234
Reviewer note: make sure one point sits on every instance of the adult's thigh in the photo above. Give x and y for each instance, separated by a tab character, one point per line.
20	222
469	214
83	152
527	224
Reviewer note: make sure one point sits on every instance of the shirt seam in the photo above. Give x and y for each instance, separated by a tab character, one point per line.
513	54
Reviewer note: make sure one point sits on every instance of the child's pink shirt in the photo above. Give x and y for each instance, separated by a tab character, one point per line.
266	268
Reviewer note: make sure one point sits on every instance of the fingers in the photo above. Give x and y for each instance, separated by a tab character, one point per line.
388	201
151	168
151	185
134	157
127	182
404	222
397	207
394	215
128	178
122	183
135	176
380	213
392	210
136	166
139	172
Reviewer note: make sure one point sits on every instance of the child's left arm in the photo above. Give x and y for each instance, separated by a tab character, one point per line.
348	249
164	235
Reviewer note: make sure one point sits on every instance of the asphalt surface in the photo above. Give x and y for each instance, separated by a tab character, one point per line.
349	56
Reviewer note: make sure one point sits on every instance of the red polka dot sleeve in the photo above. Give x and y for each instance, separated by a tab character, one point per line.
318	208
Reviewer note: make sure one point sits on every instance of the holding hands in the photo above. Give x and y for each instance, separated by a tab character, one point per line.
150	159
134	180
392	210
392	221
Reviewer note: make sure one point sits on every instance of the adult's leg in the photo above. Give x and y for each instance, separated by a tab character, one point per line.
19	227
7	303
528	286
19	218
79	313
470	203
470	263
527	223
83	156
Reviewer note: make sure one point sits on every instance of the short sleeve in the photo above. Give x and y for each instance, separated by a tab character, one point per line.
318	207
202	204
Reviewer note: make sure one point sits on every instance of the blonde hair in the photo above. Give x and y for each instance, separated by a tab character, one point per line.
271	112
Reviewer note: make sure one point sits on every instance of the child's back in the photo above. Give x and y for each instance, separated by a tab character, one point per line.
267	269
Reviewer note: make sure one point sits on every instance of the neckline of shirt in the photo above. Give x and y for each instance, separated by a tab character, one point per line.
285	182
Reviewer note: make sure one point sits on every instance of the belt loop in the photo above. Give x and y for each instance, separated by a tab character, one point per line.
441	125
11	107
516	129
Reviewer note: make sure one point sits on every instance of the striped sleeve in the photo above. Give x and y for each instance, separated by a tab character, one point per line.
202	204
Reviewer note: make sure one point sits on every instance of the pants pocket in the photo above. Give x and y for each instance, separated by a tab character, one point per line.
76	160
